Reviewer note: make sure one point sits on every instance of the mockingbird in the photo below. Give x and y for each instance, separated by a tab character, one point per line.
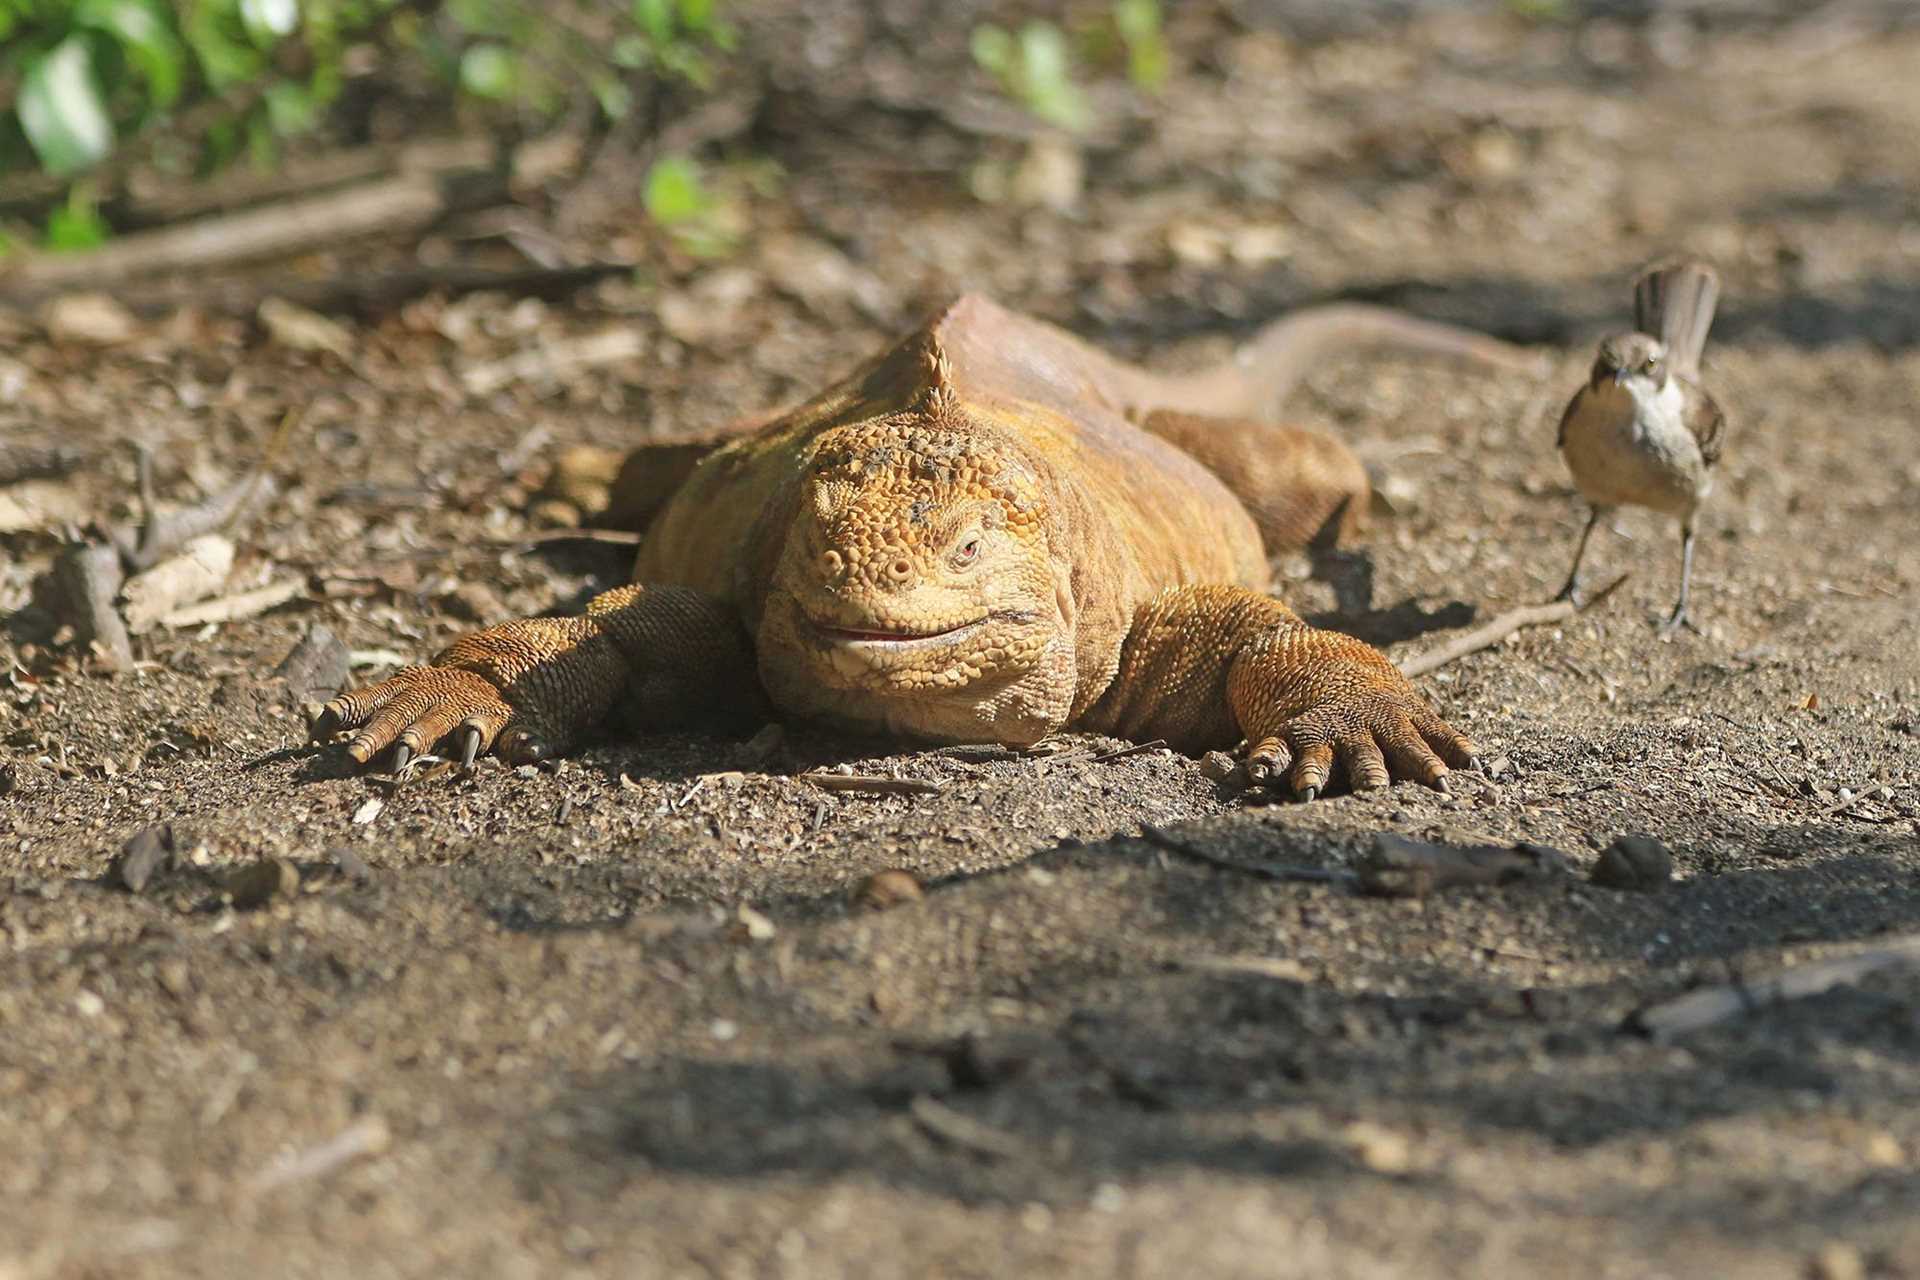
1642	431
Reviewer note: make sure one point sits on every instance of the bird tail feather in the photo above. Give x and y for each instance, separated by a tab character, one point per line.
1674	302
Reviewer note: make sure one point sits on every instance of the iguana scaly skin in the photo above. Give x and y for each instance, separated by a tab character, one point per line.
989	533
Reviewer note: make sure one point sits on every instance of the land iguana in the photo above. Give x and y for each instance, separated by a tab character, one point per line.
990	532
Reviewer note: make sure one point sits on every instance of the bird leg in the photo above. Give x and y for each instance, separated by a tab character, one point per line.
1572	590
1678	618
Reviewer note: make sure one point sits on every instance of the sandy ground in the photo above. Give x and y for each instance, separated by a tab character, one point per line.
618	1018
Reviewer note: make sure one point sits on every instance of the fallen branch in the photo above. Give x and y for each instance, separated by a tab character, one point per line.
408	203
963	1130
363	1138
1532	615
873	784
163	533
1711	1005
89	575
1397	867
35	461
1121	753
1281	872
554	361
232	608
197	572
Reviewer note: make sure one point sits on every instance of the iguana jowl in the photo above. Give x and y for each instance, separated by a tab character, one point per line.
989	533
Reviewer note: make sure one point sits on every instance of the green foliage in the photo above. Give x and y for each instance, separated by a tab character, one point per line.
679	198
1544	10
77	223
1036	66
1138	24
91	75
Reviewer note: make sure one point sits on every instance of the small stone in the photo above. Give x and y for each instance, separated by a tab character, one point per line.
87	319
1381	1150
259	883
350	864
1218	765
760	747
318	667
174	977
1838	1260
886	889
1634	862
1883	1151
147	853
750	926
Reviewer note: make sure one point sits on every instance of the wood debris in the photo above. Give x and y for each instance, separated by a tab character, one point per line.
962	1130
1163	839
233	608
1709	1006
873	784
196	572
1397	867
1485	637
553	362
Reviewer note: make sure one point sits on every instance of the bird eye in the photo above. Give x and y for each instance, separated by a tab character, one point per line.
967	551
1652	363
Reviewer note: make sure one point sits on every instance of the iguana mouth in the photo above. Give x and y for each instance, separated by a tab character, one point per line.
851	635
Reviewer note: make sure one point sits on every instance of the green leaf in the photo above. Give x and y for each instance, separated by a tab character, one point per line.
675	194
631	51
223	61
146	36
613	96
1137	19
992	49
696	16
269	21
61	110
290	109
655	17
1046	67
487	71
76	224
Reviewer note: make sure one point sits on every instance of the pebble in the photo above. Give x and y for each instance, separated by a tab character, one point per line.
350	864
1838	1260
1634	862
259	883
884	889
1218	765
147	852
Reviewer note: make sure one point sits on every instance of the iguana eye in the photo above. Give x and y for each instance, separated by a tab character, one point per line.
966	552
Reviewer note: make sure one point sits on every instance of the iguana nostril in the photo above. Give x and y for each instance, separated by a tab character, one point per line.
832	562
901	569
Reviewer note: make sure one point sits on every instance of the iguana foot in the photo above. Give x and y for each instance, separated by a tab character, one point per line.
418	707
1375	735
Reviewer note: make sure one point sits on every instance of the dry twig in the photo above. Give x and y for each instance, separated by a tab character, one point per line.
1163	839
873	784
1711	1005
1485	637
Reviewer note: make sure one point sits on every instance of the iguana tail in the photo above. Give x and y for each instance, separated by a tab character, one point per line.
1267	369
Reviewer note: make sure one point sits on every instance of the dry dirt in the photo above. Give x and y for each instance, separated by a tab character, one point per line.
542	1038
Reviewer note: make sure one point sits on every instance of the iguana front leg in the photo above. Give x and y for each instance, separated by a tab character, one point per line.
1205	666
662	655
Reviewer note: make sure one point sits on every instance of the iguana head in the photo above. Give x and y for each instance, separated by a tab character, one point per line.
918	570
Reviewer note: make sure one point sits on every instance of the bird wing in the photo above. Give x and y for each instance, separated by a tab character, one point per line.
1704	419
1560	438
1674	302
